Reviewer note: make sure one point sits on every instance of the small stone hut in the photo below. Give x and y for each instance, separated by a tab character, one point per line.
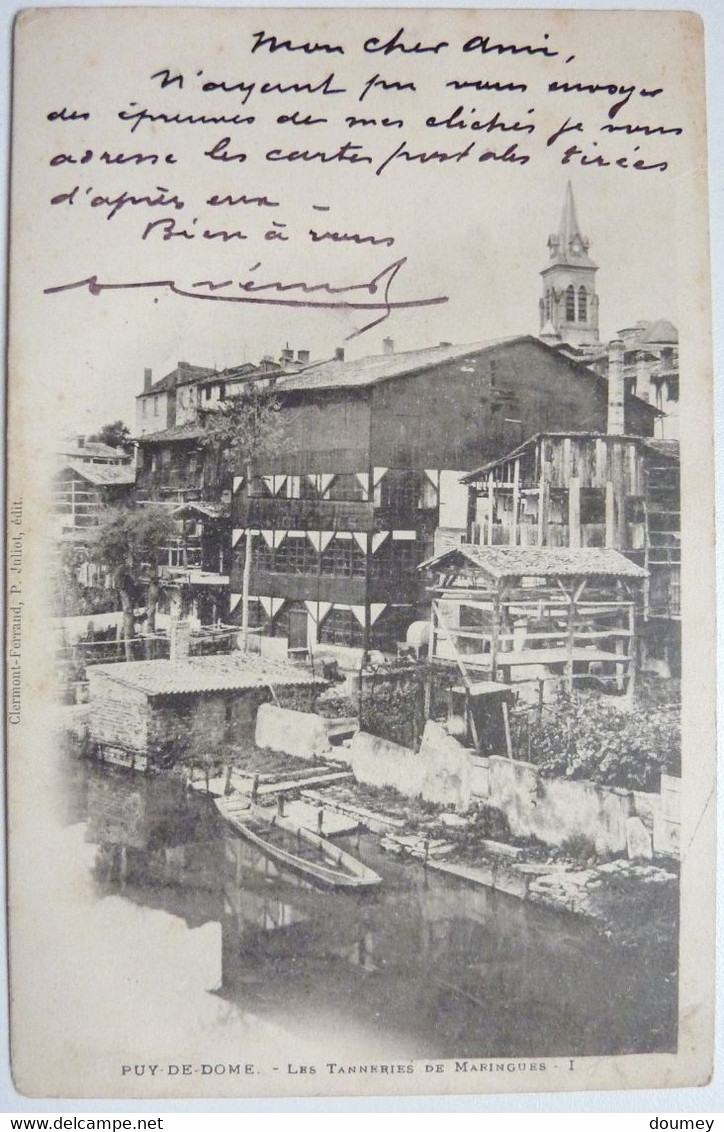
151	712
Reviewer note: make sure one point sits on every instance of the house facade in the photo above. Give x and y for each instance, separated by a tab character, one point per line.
367	484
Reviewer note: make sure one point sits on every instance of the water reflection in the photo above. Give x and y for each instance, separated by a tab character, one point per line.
423	966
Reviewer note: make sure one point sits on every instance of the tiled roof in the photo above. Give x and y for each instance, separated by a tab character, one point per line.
518	561
379	367
177	432
90	449
661	331
103	475
227	673
176	377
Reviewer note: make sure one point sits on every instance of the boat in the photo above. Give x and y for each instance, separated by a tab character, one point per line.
295	847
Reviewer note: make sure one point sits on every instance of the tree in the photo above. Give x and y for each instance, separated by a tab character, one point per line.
129	541
116	435
237	433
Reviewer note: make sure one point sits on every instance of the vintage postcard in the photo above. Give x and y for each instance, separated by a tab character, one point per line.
360	577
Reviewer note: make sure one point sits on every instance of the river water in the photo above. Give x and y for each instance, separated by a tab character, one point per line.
203	933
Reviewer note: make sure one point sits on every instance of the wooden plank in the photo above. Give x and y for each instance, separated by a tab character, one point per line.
574	512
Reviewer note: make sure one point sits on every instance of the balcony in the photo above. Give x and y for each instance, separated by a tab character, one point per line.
303	514
399	590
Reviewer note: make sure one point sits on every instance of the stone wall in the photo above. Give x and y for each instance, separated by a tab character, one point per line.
440	772
554	809
118	714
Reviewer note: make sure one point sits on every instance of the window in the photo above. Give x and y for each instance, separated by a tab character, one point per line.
548	308
145	407
341	627
155	406
400	491
570	304
395	559
343	559
582	304
222	390
207	393
593	505
295	556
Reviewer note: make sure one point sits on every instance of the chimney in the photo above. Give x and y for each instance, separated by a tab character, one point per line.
616	424
147	380
339	354
180	640
388	346
303	357
286	358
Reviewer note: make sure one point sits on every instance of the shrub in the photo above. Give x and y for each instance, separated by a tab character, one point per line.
579	847
588	736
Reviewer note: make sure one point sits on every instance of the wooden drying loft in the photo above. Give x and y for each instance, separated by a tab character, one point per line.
504	614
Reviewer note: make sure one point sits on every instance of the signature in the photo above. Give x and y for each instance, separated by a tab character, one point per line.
374	294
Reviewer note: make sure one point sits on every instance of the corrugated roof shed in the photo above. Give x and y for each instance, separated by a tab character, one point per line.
227	673
518	561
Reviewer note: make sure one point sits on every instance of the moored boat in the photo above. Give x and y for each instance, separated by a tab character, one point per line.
297	848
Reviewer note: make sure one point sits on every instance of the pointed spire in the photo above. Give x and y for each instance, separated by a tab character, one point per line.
569	227
569	245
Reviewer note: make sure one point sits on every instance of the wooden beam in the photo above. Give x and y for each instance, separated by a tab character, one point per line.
574	511
516	501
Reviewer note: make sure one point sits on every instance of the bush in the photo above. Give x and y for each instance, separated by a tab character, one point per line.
588	736
578	847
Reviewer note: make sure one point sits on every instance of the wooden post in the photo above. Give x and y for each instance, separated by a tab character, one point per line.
610	515
495	630
574	511
542	510
488	539
516	502
570	640
506	724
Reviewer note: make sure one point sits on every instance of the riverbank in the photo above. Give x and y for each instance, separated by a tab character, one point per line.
633	901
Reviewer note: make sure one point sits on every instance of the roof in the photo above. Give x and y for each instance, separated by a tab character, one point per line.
661	331
203	510
368	371
170	435
667	448
181	375
226	673
517	561
103	475
569	246
91	449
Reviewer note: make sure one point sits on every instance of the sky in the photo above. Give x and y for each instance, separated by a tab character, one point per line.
475	234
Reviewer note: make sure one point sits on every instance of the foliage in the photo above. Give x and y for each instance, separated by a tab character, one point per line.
242	429
129	541
392	705
116	435
590	737
578	847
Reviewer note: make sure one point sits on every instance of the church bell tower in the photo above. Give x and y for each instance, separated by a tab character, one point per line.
569	303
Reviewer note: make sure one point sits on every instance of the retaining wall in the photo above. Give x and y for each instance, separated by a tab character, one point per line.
299	733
